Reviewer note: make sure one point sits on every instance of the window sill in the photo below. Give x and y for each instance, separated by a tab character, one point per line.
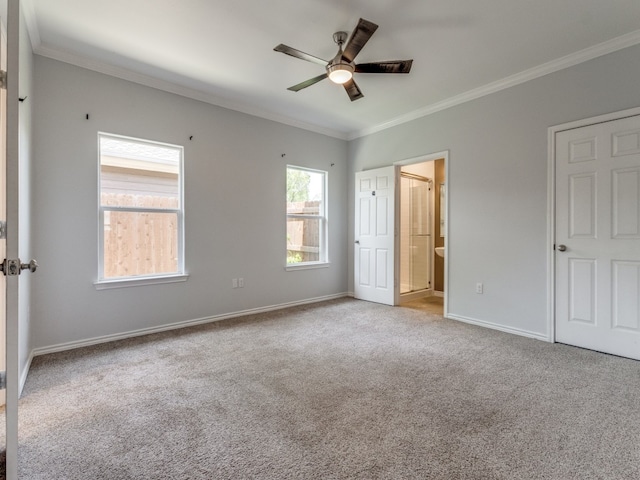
139	281
307	266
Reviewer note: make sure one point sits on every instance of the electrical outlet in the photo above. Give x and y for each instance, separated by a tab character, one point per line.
241	283
479	288
234	283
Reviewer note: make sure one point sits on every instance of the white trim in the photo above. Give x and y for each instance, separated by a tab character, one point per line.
140	281
444	155
501	328
61	347
306	266
551	207
323	248
607	117
589	53
627	40
105	283
423	158
551	235
171	87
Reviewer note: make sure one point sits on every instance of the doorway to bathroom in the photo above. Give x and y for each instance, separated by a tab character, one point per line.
421	212
416	227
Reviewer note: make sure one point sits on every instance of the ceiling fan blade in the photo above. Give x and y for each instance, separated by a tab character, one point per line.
353	90
359	38
301	55
391	66
308	83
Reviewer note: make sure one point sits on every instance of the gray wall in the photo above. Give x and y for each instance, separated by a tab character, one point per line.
498	182
234	179
234	200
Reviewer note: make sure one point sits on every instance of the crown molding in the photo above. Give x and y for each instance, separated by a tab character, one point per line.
170	87
153	82
125	74
628	40
610	46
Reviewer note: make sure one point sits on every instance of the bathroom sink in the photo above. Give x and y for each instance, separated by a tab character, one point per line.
440	251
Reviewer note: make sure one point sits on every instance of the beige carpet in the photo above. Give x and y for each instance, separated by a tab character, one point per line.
338	390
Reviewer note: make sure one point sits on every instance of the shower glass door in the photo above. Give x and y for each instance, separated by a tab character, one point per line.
415	234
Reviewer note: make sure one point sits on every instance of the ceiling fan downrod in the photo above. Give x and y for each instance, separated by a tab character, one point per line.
339	70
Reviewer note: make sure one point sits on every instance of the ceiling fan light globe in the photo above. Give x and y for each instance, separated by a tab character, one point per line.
340	73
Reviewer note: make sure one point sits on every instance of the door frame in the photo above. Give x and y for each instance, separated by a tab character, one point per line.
410	161
551	204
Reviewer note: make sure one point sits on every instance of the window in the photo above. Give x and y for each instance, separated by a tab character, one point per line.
306	217
141	211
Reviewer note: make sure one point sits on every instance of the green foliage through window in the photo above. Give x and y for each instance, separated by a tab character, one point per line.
297	185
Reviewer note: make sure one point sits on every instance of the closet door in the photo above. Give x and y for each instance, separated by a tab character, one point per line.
598	237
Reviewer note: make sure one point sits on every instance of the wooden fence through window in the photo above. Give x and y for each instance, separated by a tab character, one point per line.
140	243
303	235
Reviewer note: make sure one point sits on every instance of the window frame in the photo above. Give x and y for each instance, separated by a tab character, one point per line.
180	275
323	262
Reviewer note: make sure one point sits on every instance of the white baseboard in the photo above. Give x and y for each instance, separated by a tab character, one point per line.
436	293
25	372
173	326
502	328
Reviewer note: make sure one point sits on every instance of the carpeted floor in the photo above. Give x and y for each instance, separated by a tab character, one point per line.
338	390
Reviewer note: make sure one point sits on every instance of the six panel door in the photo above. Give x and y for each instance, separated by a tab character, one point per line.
598	237
374	235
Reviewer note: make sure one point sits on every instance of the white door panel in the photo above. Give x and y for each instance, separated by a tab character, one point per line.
375	235
10	132
598	220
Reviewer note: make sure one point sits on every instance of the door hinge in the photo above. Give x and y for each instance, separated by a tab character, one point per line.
3	79
3	380
3	230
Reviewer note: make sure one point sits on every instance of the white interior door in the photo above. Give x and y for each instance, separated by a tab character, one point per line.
3	199
374	272
3	210
10	108
598	237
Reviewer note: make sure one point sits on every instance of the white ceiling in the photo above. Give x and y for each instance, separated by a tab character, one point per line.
221	51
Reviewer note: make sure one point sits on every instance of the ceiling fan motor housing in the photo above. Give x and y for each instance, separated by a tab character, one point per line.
340	72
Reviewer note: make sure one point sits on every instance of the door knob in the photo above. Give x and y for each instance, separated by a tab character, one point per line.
31	266
13	267
358	242
562	248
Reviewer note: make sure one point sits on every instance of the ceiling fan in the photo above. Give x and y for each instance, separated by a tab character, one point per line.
341	68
